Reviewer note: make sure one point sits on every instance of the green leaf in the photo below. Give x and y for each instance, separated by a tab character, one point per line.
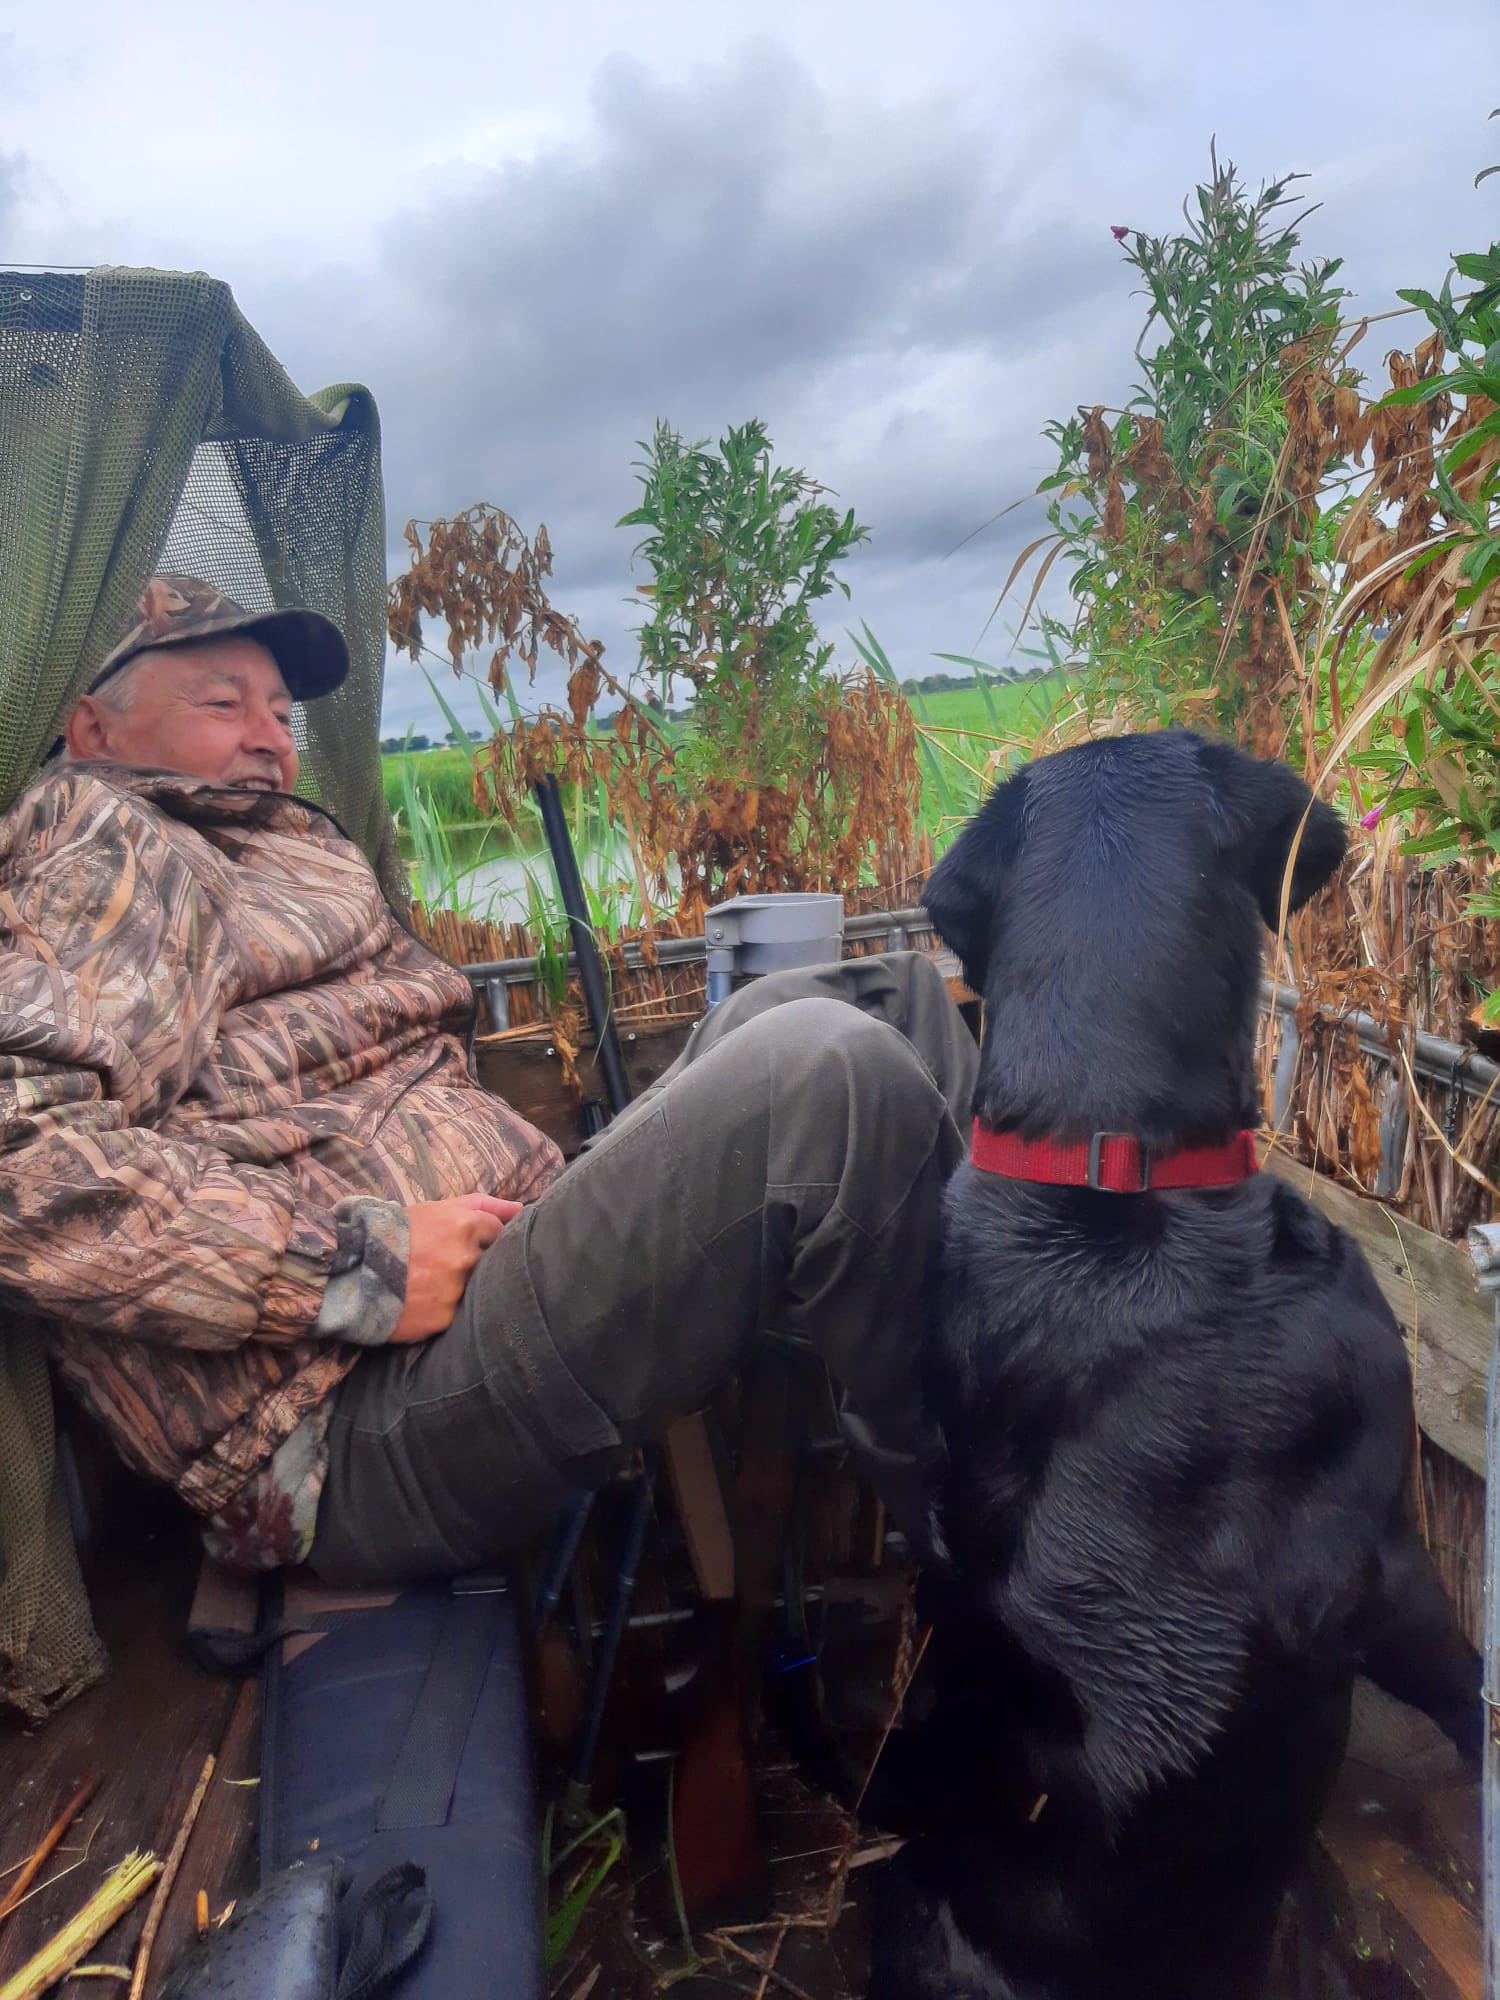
1472	441
449	717
874	655
1419	392
1439	846
562	1923
488	709
1481	265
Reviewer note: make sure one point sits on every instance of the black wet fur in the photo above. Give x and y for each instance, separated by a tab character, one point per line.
1174	1510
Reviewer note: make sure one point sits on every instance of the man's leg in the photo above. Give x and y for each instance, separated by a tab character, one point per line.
903	988
790	1174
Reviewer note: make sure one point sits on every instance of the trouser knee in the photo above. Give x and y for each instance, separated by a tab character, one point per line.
852	1103
840	1055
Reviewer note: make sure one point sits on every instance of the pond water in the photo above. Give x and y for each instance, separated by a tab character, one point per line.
498	886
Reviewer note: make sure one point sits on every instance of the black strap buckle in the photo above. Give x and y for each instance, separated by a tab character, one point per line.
480	1583
1096	1163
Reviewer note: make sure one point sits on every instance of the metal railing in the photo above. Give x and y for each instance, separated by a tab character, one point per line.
493	978
1484	1247
1462	1069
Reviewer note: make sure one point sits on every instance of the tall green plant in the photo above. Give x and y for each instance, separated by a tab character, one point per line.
740	549
1190	530
1442	753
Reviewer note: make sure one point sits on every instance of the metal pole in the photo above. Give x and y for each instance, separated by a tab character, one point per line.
590	965
617	1094
627	1567
1484	1247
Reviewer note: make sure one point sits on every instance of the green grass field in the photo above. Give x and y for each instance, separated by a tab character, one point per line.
1013	703
962	729
446	777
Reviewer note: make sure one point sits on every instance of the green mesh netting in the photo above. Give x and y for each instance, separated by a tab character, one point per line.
49	1651
145	426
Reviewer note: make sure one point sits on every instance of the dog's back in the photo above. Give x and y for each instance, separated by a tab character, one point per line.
1177	1424
1174	1449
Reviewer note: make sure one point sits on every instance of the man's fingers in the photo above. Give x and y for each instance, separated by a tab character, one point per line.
448	1238
486	1229
490	1204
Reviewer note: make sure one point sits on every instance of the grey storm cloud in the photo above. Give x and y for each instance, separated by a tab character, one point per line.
904	276
740	246
12	178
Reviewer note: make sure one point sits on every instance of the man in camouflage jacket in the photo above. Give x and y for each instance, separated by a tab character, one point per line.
291	1256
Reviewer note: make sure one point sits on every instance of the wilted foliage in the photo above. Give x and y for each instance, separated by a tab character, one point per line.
1258	545
789	776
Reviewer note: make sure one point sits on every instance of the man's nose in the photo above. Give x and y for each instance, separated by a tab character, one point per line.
265	730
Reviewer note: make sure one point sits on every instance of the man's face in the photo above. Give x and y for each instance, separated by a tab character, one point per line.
219	711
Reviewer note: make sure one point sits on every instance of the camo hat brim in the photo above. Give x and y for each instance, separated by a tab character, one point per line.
181	610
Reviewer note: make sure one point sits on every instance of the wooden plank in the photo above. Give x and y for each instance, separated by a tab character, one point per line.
1403	1779
1429	1284
519	1066
1388	1904
701	1507
1453	1521
1401	1913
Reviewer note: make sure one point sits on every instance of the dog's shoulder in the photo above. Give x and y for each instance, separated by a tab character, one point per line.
1324	1278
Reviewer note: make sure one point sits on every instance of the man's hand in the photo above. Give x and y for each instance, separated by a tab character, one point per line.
448	1238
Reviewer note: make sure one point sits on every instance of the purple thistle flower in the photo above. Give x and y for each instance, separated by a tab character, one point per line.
1118	231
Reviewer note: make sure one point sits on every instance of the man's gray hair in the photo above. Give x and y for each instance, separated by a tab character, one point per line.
117	693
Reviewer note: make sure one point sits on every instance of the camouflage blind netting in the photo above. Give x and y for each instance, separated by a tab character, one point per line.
144	426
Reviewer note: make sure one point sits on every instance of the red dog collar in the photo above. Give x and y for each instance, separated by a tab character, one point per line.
1112	1162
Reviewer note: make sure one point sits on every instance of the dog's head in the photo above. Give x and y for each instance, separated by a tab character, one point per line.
1110	903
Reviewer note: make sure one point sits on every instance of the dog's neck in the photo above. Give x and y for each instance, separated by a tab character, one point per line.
1156	1041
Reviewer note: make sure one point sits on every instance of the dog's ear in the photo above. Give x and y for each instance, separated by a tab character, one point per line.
963	892
1265	807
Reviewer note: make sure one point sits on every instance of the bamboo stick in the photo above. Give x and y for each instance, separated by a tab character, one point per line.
121	1888
17	1892
168	1877
768	1973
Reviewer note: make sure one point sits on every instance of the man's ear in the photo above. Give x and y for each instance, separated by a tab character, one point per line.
1266	807
86	732
963	892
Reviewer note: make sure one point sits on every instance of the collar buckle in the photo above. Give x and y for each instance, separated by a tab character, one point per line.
1096	1164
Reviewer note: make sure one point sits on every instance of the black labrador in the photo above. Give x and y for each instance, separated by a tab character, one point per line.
1173	1518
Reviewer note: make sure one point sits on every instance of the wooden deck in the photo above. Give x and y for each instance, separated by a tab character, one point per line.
144	1734
1389	1906
1388	1909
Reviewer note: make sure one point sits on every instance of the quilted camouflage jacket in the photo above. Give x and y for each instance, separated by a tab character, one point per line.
225	1069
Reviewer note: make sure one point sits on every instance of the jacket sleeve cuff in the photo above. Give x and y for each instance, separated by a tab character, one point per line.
367	1284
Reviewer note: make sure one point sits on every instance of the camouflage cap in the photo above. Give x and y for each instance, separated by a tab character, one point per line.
176	610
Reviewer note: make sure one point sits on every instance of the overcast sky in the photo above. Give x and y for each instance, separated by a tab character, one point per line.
882	228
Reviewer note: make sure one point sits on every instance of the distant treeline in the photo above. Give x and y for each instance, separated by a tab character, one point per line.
394	746
955	683
926	684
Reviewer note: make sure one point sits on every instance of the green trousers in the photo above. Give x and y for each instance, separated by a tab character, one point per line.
787	1171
